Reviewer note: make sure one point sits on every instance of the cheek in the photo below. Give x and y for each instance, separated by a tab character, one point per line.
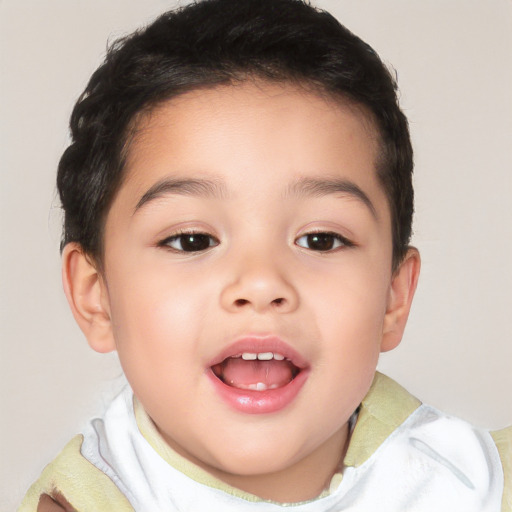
156	320
349	317
352	299
349	323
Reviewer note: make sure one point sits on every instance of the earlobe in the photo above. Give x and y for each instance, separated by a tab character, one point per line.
88	298
401	293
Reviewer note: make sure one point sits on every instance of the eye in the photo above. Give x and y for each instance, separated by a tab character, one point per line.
189	242
323	242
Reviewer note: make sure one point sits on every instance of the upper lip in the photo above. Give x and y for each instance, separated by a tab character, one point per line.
260	344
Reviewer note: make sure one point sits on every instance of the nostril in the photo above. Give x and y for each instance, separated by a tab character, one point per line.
278	303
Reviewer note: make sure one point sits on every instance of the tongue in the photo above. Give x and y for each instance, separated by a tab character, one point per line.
258	375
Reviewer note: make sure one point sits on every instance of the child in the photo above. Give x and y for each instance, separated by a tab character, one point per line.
238	208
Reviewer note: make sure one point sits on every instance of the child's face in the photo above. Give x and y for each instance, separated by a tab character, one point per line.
250	221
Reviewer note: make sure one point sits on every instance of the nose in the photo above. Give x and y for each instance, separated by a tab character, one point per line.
259	284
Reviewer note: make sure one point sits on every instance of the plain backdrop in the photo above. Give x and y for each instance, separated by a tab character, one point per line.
454	63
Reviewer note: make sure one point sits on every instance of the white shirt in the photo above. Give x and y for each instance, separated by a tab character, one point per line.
429	463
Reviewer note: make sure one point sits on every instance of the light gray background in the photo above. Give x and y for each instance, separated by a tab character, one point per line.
454	62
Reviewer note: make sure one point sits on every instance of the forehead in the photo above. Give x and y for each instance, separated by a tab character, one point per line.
258	134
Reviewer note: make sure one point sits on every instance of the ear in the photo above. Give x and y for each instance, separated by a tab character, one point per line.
88	297
401	293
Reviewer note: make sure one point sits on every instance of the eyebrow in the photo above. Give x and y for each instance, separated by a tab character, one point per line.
322	187
312	187
186	187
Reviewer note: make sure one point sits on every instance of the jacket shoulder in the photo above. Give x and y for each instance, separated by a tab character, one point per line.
71	482
503	440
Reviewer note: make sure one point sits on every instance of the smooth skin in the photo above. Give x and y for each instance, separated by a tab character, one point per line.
248	210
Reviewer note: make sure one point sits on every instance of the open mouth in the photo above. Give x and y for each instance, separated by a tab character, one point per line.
256	371
258	374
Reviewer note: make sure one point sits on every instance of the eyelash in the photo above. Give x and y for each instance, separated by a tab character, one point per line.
323	237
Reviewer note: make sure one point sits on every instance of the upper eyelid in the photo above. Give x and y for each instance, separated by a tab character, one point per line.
188	231
324	231
334	228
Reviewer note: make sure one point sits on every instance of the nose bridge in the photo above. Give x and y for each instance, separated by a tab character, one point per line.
259	280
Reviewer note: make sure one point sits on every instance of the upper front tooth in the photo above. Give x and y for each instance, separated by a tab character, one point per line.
262	356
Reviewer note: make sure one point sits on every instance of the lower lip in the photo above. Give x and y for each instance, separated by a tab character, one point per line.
259	402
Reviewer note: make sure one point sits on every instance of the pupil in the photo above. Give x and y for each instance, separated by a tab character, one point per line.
321	241
192	243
